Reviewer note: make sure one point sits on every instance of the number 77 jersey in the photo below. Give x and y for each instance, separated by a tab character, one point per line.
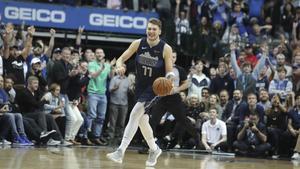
149	64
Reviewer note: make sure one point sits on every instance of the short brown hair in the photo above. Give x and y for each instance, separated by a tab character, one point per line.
53	86
281	69
155	21
246	63
32	78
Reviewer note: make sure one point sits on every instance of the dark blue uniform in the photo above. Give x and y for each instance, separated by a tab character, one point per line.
150	65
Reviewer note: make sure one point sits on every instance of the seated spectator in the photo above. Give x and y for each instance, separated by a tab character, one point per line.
31	106
281	86
264	99
205	95
195	110
198	80
3	131
231	116
224	98
252	107
214	103
252	138
214	132
8	87
54	104
20	123
13	122
36	70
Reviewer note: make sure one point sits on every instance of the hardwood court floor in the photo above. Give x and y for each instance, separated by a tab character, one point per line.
94	157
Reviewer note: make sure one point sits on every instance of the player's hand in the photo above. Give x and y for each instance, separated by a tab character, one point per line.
120	70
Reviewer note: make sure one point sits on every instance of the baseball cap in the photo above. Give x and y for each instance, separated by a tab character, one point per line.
35	60
57	50
248	45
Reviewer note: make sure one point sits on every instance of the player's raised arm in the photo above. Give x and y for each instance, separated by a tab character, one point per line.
126	55
168	60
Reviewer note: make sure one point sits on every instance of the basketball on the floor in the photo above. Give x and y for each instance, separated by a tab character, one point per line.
162	86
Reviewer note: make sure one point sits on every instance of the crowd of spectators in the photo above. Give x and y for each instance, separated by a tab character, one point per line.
243	93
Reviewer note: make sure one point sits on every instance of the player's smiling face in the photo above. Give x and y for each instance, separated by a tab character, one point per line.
153	32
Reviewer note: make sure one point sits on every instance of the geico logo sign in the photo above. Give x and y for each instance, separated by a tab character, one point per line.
118	21
42	15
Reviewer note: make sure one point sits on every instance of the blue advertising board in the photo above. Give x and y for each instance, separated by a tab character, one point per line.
67	17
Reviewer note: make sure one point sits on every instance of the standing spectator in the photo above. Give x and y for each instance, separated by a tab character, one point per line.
64	72
114	4
262	80
238	17
36	70
281	86
119	88
97	101
198	80
281	62
276	123
15	62
232	35
255	8
287	17
223	81
40	53
214	133
245	79
55	57
182	24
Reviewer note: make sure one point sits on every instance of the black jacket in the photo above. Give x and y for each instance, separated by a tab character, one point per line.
29	103
60	75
